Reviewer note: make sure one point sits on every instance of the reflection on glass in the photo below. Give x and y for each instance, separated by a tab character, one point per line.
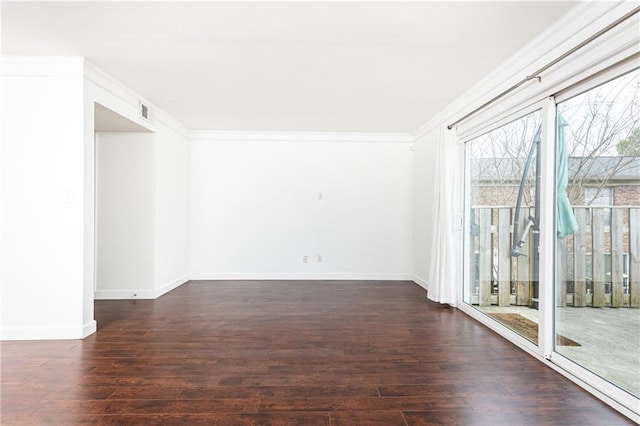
503	224
597	320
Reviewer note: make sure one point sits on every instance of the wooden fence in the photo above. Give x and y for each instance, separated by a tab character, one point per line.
597	266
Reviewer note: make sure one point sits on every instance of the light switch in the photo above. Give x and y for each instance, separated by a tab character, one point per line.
67	197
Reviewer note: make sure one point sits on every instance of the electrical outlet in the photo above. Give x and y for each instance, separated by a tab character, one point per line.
319	258
305	259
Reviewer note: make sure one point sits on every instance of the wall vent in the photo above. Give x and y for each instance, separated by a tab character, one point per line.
144	111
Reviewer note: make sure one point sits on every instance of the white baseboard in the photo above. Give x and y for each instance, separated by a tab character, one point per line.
171	285
242	276
420	281
139	294
123	294
47	332
89	328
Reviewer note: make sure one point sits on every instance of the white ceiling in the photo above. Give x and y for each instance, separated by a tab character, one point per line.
300	66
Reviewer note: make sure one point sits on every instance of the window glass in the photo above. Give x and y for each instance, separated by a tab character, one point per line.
503	224
597	314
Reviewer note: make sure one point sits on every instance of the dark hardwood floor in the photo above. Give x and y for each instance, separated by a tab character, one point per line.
287	353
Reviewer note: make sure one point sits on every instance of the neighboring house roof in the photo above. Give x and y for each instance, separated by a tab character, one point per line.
596	169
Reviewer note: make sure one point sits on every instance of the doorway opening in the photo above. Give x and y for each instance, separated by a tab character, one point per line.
124	206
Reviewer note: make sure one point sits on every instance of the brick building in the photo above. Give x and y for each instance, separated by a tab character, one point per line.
593	181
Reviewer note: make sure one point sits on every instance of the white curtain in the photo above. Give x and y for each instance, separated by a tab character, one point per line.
446	262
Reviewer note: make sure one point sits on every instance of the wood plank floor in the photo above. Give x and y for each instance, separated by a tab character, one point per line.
287	353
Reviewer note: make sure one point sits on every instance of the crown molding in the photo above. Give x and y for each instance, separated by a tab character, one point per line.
42	66
243	136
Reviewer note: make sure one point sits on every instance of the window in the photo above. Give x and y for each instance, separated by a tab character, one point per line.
600	197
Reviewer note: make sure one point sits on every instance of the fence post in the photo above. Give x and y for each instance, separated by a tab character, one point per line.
504	257
561	272
634	257
617	283
579	259
523	286
598	258
485	261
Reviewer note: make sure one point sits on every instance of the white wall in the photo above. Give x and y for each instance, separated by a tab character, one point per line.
43	200
423	192
255	207
171	209
125	214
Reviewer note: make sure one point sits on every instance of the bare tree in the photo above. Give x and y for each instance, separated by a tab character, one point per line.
498	162
598	121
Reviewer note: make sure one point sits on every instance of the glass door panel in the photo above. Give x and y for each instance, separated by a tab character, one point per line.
502	219
597	315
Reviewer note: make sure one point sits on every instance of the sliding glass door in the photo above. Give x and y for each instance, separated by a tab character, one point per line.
552	248
597	315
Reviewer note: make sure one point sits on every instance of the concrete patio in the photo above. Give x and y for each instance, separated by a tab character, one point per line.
609	339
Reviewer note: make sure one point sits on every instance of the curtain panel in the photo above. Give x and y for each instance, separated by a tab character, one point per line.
446	262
